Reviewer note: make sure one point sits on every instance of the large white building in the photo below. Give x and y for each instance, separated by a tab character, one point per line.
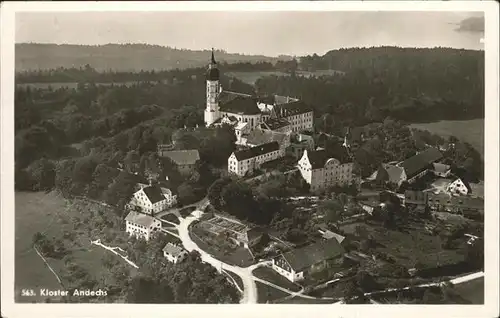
282	113
152	199
141	225
243	161
322	171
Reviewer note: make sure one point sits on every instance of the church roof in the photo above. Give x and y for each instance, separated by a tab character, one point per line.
256	151
241	105
213	72
292	108
317	158
227	96
276	123
260	137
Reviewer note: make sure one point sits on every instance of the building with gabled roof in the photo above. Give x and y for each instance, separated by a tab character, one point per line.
453	204
141	225
184	160
276	124
259	137
151	199
174	253
320	170
418	165
459	187
297	264
247	160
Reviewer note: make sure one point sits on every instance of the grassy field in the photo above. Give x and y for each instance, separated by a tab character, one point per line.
471	131
48	214
471	292
271	276
67	85
266	293
425	248
252	77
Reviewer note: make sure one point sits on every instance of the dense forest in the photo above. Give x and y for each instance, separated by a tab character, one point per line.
406	84
121	57
119	123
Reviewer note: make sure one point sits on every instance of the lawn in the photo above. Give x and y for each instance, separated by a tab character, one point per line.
471	292
51	215
185	212
251	77
408	245
238	256
471	131
268	274
267	293
34	212
236	278
301	300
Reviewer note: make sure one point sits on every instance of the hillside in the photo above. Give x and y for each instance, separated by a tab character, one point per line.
120	57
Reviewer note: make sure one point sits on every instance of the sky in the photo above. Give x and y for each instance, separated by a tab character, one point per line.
267	33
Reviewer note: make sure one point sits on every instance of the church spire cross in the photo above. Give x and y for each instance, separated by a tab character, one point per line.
213	58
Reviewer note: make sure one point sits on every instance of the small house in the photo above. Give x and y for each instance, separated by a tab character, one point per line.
174	253
297	264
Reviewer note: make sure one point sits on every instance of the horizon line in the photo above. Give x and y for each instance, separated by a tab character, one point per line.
253	54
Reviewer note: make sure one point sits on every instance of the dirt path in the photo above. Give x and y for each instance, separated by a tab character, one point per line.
113	250
48	265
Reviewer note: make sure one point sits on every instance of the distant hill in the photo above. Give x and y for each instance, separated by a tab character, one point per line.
121	57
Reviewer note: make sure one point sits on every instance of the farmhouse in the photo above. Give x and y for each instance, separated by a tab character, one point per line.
441	170
328	235
300	263
411	169
174	253
185	160
141	225
458	187
418	198
321	171
247	160
417	166
388	173
459	205
152	199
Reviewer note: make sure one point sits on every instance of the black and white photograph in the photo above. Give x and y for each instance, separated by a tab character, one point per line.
243	153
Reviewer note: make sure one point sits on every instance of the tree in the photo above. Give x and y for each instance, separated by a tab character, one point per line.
215	191
42	174
332	210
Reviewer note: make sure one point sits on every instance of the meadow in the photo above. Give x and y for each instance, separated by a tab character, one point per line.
471	131
252	76
49	214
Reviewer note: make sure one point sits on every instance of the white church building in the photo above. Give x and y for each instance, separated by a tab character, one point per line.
246	113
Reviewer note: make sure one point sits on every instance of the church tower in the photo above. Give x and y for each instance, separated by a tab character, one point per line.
212	112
